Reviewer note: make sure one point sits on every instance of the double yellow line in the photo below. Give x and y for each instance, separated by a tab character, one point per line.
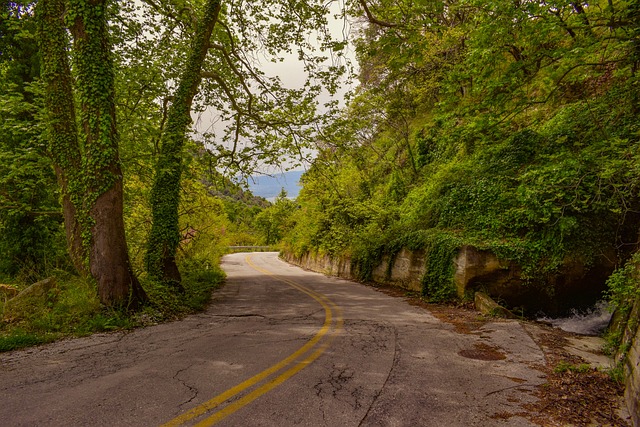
286	368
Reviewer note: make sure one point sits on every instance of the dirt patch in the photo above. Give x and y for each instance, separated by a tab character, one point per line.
575	393
482	351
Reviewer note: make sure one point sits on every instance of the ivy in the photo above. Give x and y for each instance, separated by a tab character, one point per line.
437	283
164	236
511	127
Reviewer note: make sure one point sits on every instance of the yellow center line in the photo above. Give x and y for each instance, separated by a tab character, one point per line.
207	406
245	400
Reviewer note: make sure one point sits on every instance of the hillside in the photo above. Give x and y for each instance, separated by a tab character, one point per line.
270	186
512	129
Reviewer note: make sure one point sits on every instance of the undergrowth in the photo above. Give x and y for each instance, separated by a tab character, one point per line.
439	248
72	309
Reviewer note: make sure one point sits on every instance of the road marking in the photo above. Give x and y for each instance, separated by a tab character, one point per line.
337	321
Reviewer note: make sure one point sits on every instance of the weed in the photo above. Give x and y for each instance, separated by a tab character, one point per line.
19	338
617	373
564	366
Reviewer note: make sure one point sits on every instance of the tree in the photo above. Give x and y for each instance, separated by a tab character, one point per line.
498	123
264	116
165	194
275	221
87	166
224	41
29	211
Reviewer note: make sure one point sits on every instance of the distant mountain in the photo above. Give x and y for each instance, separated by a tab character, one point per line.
269	187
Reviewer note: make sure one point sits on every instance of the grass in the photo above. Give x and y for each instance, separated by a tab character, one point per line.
19	338
74	309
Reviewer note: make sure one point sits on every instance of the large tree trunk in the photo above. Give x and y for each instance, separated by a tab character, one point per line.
165	193
91	178
63	134
108	254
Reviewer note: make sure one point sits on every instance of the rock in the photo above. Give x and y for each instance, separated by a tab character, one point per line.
590	349
475	267
333	266
405	270
575	285
631	340
485	305
36	297
7	292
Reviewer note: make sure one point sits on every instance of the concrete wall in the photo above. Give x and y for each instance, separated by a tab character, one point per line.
340	267
406	270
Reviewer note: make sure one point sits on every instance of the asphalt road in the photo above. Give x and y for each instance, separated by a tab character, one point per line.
280	347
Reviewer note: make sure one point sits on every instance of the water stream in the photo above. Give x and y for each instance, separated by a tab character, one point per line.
592	321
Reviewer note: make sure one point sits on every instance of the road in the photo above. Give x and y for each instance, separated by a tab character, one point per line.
280	346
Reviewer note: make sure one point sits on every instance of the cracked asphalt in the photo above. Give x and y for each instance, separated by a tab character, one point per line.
390	364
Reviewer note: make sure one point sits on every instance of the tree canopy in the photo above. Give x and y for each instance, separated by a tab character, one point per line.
119	86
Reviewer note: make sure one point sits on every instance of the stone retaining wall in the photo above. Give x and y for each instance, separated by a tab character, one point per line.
406	270
340	267
632	364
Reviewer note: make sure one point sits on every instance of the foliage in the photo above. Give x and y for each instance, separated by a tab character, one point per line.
437	283
164	236
624	295
96	116
275	221
76	310
31	237
564	366
624	285
200	277
512	127
19	339
275	119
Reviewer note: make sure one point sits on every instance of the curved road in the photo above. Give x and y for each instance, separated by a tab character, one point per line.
280	346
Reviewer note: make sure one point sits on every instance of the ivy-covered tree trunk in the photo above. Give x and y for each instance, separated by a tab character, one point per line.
103	203
164	237
62	130
90	173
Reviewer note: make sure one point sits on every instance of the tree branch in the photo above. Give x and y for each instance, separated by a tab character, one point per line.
372	19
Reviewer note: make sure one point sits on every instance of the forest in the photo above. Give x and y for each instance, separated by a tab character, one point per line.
509	126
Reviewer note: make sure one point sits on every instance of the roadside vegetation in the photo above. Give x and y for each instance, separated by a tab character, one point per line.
508	126
108	200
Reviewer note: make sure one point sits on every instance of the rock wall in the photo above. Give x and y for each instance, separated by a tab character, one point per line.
574	286
340	267
405	270
632	364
